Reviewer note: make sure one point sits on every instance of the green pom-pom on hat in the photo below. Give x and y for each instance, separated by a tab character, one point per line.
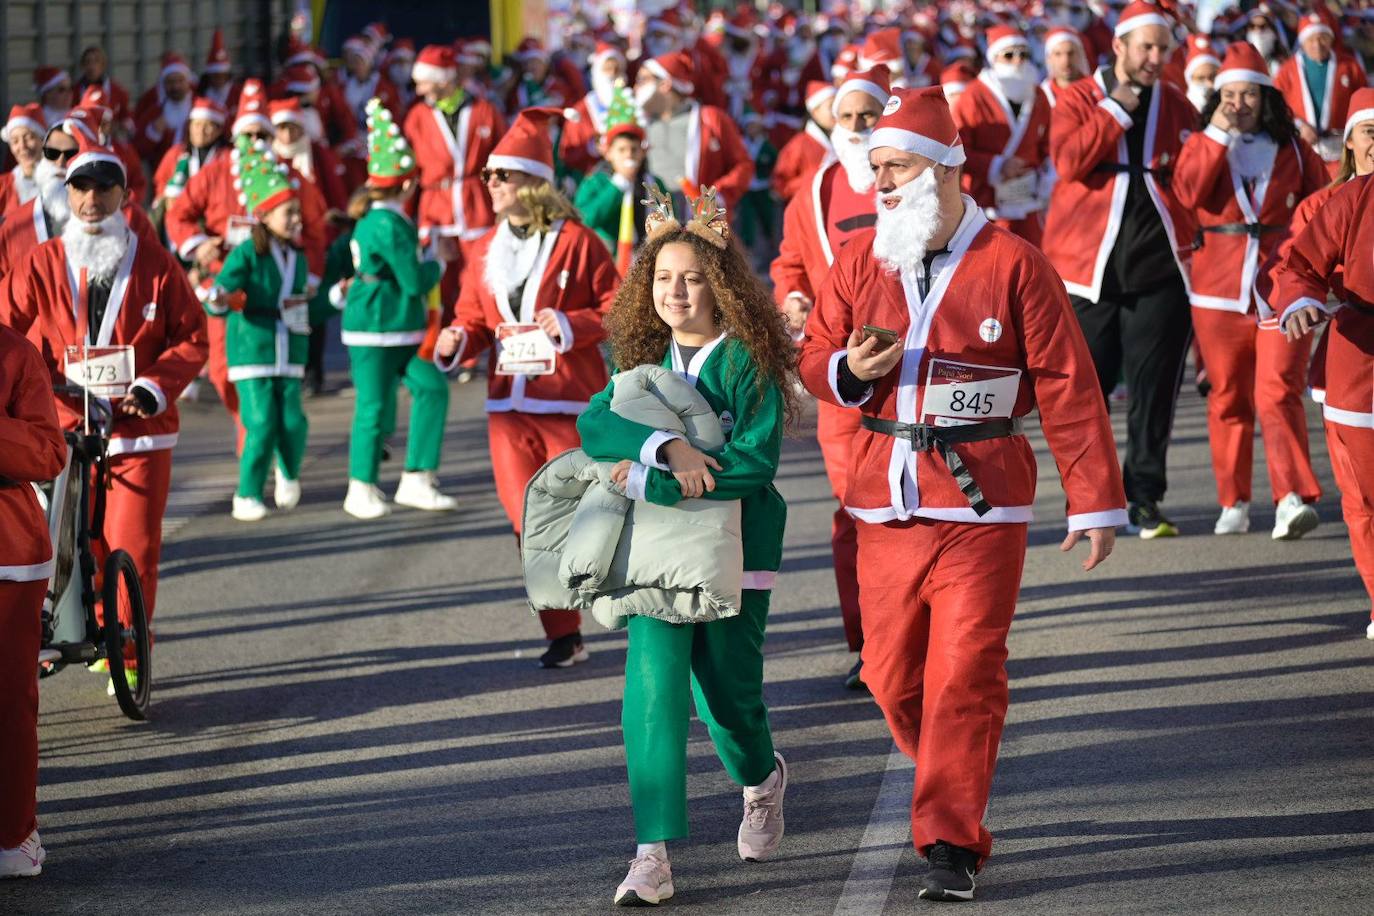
622	118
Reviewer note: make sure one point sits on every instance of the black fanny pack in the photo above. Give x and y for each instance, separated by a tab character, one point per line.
925	438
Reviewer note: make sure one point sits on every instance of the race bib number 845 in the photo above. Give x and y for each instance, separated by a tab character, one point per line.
960	391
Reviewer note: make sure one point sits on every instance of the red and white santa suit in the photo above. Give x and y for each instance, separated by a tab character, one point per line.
331	121
159	119
15	187
995	128
1061	35
1344	76
313	161
805	152
533	418
150	307
818	222
101	116
205	109
577	145
31	451
217	63
937	579
1244	189
1340	237
356	94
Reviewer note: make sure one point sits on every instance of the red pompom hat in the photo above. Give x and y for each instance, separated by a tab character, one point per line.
918	121
526	147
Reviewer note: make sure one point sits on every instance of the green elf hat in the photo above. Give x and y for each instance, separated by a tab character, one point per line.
621	117
262	182
390	160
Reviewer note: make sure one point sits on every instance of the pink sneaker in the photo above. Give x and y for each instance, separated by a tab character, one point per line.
25	860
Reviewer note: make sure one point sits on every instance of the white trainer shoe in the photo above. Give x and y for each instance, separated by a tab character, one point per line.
760	832
26	859
420	490
1293	518
287	493
649	882
1369	630
248	509
365	501
1234	519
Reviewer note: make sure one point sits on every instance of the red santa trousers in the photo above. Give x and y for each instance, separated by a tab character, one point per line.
938	599
1255	372
134	507
835	429
521	444
218	369
1352	461
21	603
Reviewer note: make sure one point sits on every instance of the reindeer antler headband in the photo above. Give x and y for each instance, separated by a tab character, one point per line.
708	220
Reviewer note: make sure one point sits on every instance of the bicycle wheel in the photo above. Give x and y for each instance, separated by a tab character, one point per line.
123	597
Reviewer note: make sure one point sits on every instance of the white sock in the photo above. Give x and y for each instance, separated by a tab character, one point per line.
768	785
656	849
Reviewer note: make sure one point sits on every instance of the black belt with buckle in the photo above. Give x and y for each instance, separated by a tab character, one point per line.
924	438
1254	230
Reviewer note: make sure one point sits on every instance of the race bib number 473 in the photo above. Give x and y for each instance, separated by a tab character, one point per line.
960	391
106	372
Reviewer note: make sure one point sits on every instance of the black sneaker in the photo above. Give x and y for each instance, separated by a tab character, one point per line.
1147	521
854	680
564	652
951	873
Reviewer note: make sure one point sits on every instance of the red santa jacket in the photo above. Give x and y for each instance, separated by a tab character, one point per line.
1343	76
575	276
1340	237
801	156
149	140
453	199
31	450
805	255
133	169
992	135
168	166
228	96
997	309
1087	142
716	156
340	124
203	210
151	307
1225	265
1052	90
577	144
9	191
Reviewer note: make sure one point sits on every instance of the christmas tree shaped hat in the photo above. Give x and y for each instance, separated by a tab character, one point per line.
261	180
621	118
390	160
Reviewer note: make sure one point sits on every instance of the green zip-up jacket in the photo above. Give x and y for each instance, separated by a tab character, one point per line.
257	341
386	301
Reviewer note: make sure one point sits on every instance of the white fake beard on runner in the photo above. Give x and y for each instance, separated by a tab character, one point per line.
603	85
52	192
98	253
851	148
904	232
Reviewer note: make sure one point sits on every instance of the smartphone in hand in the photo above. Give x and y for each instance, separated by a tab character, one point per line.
884	336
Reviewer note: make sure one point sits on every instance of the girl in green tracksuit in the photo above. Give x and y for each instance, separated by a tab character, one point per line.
691	303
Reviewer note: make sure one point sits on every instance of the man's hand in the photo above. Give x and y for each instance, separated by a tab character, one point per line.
547	319
620	474
1301	322
796	308
1014	168
1125	96
869	358
447	344
130	406
691	468
207	253
1102	541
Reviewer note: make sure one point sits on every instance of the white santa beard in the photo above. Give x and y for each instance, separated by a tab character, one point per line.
1016	81
852	150
52	193
509	259
603	86
98	253
904	231
298	154
314	126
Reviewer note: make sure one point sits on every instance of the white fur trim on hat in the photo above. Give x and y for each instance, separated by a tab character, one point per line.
30	123
1314	28
848	87
1126	26
245	122
520	164
660	71
820	97
1355	117
59	77
206	114
1007	41
92	157
910	142
1227	77
1198	61
1059	38
429	73
175	67
288	116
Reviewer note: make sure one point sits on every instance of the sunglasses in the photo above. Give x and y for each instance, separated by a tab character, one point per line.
502	176
54	154
1014	55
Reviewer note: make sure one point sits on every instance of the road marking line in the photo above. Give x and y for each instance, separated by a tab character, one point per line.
885	839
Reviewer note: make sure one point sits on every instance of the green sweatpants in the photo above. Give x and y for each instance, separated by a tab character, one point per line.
722	661
376	372
273	424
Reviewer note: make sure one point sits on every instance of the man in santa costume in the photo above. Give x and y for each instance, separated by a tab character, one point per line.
691	145
204	141
1119	237
217	81
95	71
396	65
976	332
101	284
361	81
52	88
1317	83
1066	62
328	119
578	144
834	205
1004	122
804	153
311	160
161	113
95	115
1200	70
23	134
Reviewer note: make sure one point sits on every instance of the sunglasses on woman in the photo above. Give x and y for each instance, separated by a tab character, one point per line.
53	154
501	175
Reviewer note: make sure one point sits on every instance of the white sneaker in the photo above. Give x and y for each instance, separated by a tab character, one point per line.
1369	630
287	493
1293	518
249	509
649	882
1234	519
760	832
419	490
365	501
26	859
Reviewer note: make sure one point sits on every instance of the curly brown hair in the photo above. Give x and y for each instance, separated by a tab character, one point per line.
744	309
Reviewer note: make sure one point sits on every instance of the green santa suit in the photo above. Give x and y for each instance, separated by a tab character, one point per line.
756	211
600	200
719	663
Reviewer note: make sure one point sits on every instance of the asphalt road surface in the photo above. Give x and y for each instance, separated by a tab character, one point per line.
348	718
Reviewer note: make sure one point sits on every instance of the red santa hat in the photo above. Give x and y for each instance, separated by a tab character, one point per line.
298	52
362	47
918	121
1361	109
1002	37
1062	35
286	111
172	62
668	22
377	33
93	121
529	49
875	83
45	78
218	59
28	116
526	147
845	62
436	64
1243	64
97	161
1200	54
1137	15
1313	25
300	79
883	47
464	54
605	50
955	77
402	49
676	67
818	93
741	25
207	109
252	113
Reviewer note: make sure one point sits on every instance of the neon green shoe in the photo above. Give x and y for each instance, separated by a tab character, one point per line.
99	666
130	675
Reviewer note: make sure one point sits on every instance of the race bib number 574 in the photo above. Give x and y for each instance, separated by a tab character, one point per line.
960	391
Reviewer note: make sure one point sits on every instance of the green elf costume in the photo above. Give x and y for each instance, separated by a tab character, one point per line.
264	298
756	213
390	306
